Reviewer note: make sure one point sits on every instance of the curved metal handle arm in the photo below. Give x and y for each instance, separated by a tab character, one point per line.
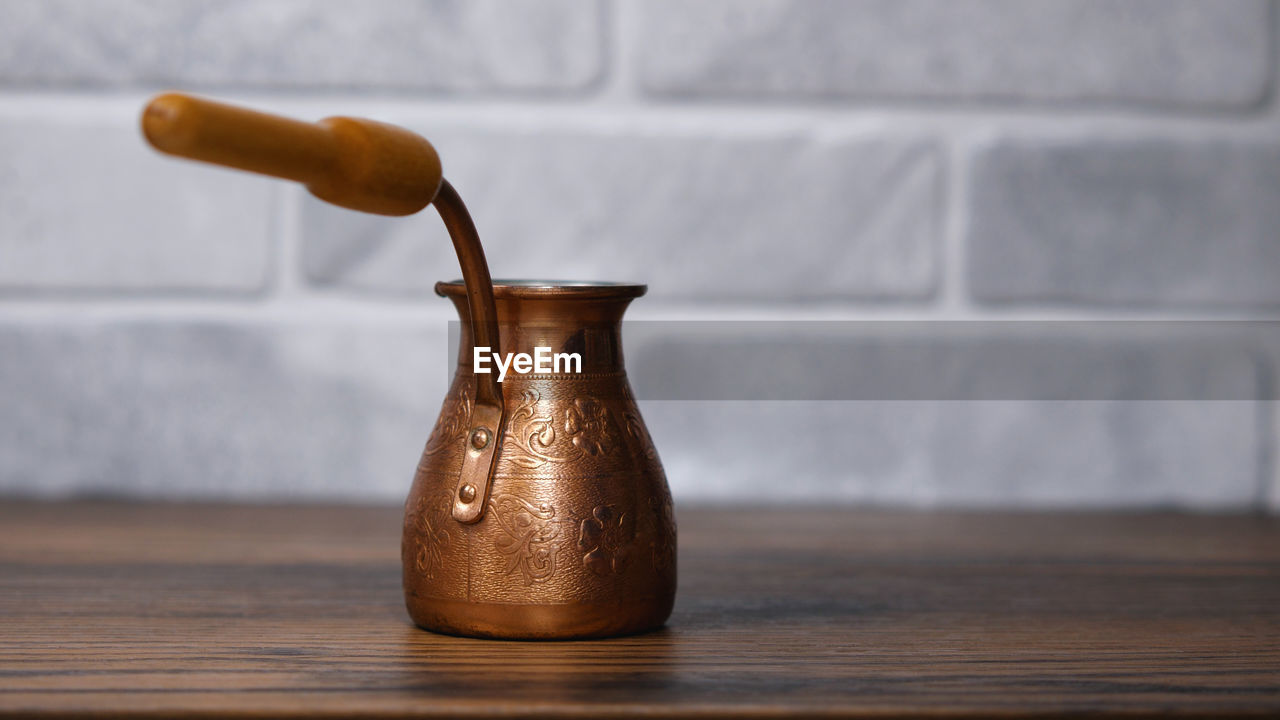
488	421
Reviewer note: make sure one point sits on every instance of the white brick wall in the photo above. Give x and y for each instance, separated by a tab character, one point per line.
625	199
173	330
84	211
1125	52
481	46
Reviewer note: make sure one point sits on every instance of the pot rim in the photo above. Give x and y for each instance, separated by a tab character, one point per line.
522	288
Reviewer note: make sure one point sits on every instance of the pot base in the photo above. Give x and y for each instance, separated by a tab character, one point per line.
538	622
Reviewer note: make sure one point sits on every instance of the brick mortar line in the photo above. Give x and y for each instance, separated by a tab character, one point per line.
607	107
953	215
288	277
615	89
1270	103
616	85
328	311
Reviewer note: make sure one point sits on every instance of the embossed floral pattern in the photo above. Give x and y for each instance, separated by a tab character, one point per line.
582	428
531	436
635	426
453	425
605	538
586	421
663	543
429	527
528	537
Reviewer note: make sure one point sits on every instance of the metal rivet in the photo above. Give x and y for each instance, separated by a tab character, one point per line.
480	438
467	493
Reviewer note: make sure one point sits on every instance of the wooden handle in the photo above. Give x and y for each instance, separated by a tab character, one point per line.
351	162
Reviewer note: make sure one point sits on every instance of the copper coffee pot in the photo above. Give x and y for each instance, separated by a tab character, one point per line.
539	508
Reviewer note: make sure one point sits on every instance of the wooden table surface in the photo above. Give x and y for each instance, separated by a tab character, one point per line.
117	609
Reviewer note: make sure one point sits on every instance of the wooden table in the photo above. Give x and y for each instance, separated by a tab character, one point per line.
121	609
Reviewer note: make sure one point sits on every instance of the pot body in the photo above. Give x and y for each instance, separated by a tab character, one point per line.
578	537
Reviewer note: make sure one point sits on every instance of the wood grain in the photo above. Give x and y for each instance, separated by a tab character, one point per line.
161	610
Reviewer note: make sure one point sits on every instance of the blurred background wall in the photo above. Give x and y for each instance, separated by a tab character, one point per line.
1042	166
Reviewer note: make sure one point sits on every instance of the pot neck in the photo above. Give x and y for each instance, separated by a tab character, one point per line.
580	318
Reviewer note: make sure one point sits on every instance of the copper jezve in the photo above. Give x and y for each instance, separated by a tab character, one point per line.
539	509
